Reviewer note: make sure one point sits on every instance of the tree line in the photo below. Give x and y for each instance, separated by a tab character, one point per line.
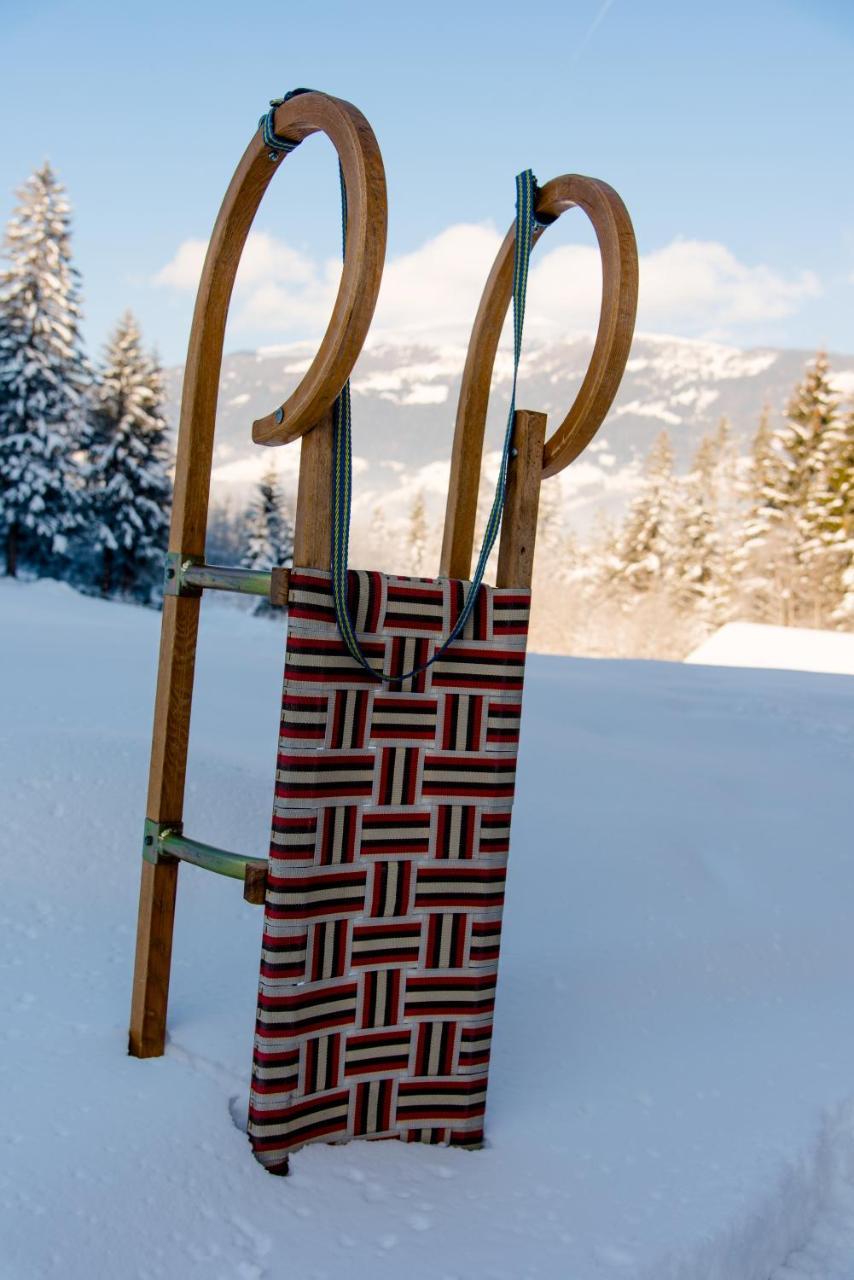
85	488
767	537
85	462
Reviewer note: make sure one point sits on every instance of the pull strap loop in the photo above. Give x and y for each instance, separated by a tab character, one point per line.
526	192
276	145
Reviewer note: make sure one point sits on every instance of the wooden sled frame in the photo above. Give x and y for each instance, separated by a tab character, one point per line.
307	414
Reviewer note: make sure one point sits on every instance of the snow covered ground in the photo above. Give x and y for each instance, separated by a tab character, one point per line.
672	1088
750	644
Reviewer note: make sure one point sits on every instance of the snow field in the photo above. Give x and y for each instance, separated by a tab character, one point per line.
672	1086
750	644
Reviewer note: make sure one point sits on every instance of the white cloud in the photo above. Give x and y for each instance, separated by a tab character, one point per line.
694	288
183	271
277	287
435	290
703	284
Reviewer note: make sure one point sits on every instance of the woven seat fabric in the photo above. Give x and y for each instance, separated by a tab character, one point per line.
388	855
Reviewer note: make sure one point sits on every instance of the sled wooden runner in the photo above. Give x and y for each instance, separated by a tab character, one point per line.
364	178
400	1060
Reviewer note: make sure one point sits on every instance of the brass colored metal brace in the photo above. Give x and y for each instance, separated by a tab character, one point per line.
166	842
190	576
174	577
152	840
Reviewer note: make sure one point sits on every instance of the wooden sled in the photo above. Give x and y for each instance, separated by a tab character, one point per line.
307	414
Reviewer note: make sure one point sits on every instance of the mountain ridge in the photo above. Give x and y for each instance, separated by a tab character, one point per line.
404	402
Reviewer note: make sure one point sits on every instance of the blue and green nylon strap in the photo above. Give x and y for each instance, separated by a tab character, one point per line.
276	145
526	220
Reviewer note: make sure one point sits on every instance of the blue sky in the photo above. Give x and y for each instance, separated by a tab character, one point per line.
725	127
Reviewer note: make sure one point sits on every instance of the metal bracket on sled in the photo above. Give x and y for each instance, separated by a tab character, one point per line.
190	576
166	842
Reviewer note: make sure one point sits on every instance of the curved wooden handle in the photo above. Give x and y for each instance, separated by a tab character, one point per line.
618	248
365	180
367	219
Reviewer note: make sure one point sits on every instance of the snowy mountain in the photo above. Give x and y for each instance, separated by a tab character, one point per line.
404	401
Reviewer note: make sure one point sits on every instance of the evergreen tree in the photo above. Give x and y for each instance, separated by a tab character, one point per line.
128	486
378	534
43	379
603	570
417	535
761	580
225	533
647	542
702	552
790	488
270	542
556	547
829	519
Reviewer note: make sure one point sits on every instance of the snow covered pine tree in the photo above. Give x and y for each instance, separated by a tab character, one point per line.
270	542
647	550
127	483
43	380
800	524
703	536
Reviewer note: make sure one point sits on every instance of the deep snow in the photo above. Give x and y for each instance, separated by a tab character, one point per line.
752	644
672	1085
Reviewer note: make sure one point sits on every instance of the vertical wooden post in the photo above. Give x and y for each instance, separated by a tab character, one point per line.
313	521
171	735
519	522
159	883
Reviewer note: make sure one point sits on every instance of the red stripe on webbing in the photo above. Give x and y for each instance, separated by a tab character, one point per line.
344	878
374	932
468	875
382	1039
431	594
412	622
267	1087
325	762
286	1058
453	982
341	992
415	820
468	789
472	1084
466	682
324	791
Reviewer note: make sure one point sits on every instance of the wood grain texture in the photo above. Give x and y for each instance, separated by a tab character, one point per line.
173	703
313	520
519	521
280	581
158	887
255	886
617	245
167	774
